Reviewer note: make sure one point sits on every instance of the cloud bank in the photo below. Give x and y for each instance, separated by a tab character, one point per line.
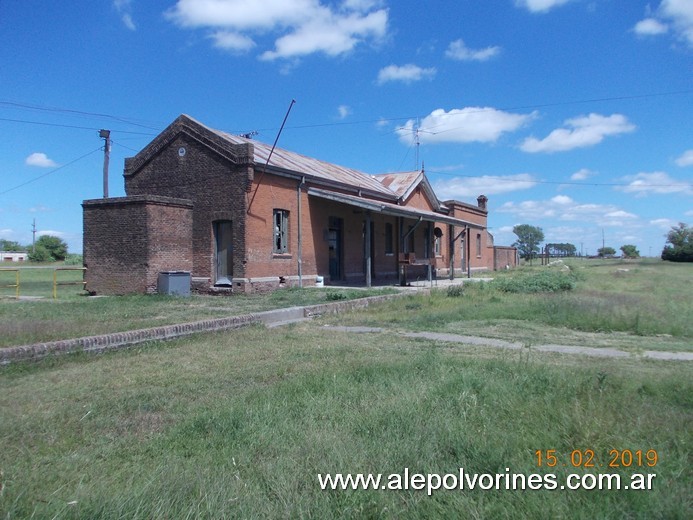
299	27
579	132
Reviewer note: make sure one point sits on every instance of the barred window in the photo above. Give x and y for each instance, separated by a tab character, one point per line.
281	231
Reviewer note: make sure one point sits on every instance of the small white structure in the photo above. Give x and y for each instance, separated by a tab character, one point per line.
14	256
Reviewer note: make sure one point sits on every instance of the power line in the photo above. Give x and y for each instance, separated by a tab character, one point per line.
316	125
96	129
562	183
121	119
50	172
480	110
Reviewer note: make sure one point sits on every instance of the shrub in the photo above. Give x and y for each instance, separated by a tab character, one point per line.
334	296
544	281
74	259
455	291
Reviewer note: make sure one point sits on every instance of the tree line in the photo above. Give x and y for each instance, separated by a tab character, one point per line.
47	248
678	247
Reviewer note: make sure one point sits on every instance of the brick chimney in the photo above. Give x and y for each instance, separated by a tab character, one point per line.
481	201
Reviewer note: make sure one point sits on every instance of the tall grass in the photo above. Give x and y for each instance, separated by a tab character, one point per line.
240	426
643	299
71	315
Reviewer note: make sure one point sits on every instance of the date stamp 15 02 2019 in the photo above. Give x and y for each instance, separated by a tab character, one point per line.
589	458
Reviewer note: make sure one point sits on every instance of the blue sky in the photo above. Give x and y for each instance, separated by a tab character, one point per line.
572	115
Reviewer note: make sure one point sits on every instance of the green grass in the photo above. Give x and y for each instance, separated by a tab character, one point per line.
73	314
639	305
240	425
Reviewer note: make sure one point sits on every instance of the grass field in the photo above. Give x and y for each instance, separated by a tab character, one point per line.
240	424
73	314
630	305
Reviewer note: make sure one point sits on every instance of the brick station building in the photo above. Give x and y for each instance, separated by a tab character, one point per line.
240	217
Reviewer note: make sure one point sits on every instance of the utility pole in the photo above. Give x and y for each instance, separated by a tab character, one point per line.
106	136
33	240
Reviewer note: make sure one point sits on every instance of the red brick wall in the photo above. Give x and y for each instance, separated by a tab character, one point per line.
504	257
128	241
217	188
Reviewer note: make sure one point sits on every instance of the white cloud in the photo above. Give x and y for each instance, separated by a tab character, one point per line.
659	183
650	27
663	223
466	187
457	50
344	111
686	159
671	14
465	125
232	41
582	175
581	132
41	160
680	14
300	27
52	232
562	200
620	214
405	73
125	11
329	33
689	213
564	208
540	6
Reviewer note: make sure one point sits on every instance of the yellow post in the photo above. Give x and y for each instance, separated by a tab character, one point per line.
16	282
55	279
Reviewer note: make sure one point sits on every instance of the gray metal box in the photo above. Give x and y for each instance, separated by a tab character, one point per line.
175	283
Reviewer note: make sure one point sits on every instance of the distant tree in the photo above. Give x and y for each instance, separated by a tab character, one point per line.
561	249
48	249
606	251
681	239
528	240
40	254
630	251
10	245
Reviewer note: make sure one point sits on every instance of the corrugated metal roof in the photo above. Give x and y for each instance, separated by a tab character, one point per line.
399	183
301	164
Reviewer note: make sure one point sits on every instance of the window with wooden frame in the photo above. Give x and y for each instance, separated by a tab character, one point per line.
281	232
478	245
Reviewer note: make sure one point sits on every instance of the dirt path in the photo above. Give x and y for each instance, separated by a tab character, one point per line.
499	343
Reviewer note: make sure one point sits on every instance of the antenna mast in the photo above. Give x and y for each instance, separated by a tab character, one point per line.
417	142
250	203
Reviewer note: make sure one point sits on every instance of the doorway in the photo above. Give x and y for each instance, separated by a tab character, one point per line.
334	242
223	238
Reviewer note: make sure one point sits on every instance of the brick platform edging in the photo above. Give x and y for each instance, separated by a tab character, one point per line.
118	340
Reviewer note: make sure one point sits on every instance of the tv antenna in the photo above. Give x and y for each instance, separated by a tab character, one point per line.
417	142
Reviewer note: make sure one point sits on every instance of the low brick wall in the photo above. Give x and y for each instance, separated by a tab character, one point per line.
118	340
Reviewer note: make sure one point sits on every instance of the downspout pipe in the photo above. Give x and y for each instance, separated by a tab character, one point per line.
469	252
300	233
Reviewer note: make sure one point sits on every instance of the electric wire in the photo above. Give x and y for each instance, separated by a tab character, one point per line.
52	171
60	125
